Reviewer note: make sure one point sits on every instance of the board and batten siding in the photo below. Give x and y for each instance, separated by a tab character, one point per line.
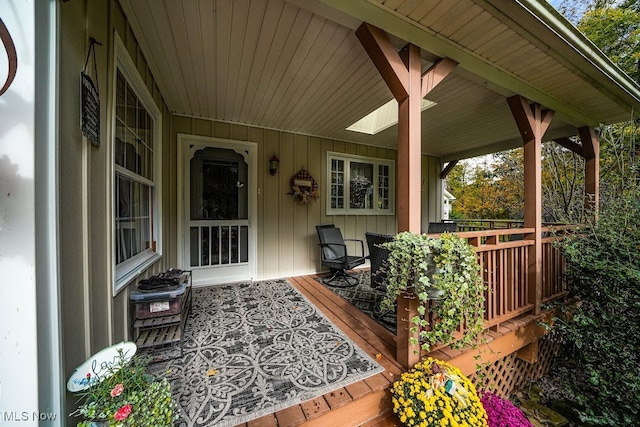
92	317
286	230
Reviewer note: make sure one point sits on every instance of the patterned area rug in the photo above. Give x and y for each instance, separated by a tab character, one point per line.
364	298
252	349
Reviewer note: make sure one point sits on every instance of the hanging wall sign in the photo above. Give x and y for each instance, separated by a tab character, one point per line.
90	97
90	110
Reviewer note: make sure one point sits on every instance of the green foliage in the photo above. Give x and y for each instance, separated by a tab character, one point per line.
562	185
615	29
125	395
486	191
602	355
419	264
562	179
612	25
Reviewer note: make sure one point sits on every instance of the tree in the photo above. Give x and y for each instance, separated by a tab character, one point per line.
616	31
562	185
488	190
613	26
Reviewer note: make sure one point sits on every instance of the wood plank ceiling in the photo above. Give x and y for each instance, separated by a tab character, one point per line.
297	66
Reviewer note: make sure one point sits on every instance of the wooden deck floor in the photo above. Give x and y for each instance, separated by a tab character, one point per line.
365	403
368	403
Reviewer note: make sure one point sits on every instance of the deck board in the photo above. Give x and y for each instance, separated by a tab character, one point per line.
357	390
315	408
291	416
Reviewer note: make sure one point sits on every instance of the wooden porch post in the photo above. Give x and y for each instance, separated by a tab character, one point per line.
402	72
409	145
532	122
591	150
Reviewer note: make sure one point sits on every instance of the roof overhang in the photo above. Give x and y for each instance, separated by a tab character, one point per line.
297	66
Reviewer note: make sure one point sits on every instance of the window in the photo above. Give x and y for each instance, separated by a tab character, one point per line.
136	143
359	185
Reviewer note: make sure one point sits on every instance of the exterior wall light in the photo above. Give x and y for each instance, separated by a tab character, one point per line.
273	165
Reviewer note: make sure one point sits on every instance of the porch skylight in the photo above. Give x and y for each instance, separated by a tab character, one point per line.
383	117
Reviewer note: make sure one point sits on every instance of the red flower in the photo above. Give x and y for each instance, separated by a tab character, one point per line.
117	390
123	413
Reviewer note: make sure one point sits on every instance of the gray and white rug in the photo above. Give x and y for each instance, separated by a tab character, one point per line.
252	349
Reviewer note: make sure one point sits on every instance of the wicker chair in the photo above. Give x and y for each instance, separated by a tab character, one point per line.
377	256
335	256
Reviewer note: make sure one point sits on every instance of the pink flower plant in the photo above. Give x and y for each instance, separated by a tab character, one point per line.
503	413
123	413
117	390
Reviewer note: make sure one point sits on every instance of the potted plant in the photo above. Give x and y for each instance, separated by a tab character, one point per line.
444	268
434	393
121	393
502	413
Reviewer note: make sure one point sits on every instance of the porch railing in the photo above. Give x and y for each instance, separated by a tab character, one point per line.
503	255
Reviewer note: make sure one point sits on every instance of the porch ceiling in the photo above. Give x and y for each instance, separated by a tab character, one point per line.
297	65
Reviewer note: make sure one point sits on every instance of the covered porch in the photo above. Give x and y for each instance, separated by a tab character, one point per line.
252	80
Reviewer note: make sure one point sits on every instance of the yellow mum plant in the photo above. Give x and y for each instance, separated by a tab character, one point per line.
436	394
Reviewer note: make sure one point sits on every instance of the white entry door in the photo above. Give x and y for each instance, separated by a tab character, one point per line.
219	242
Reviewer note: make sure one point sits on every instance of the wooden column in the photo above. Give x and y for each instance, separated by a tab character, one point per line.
532	122
403	74
410	146
591	150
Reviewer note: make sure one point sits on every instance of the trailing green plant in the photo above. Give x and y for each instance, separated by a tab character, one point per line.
419	264
599	363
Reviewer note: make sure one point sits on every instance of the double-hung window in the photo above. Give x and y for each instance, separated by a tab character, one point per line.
136	144
359	185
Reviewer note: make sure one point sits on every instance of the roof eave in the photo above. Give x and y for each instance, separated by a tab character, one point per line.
626	92
609	72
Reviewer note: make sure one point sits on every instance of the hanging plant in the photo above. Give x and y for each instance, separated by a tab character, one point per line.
304	188
443	267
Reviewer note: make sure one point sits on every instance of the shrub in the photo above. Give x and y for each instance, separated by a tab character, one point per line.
599	364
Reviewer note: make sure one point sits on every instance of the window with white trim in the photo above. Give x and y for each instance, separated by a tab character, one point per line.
136	142
358	185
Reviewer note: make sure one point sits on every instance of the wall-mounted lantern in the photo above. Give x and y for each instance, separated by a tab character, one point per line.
273	165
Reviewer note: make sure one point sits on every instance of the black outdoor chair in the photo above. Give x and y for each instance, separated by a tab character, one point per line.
442	227
335	256
377	255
